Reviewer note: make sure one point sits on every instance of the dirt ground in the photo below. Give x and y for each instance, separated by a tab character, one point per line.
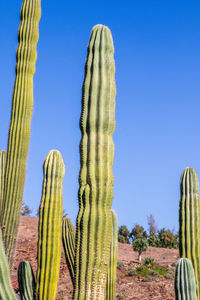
127	287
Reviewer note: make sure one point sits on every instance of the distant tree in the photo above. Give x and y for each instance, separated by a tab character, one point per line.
154	241
140	245
123	232
152	225
167	238
138	232
25	210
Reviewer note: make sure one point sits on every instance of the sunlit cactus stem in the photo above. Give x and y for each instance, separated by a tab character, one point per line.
6	290
19	131
68	239
189	221
26	279
50	227
185	285
112	268
97	123
2	175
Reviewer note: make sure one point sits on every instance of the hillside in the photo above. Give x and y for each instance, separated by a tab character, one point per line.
135	287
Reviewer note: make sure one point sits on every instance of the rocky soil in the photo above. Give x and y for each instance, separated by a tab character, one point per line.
135	287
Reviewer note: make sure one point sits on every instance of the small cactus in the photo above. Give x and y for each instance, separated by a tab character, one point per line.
185	285
189	224
26	281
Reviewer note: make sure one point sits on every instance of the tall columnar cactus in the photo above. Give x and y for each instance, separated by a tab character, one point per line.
68	239
2	175
50	226
112	268
26	279
185	285
97	124
189	221
6	291
19	131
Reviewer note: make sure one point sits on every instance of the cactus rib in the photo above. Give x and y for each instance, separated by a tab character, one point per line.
2	175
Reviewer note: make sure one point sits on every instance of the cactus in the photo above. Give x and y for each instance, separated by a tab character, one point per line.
189	221
50	226
97	124
26	281
185	286
68	239
19	131
112	268
6	291
2	174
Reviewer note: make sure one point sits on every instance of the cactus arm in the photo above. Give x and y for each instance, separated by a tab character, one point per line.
2	174
112	268
6	290
97	123
185	285
189	221
26	281
68	240
50	226
19	131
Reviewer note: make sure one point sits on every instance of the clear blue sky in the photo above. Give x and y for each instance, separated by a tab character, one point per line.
157	54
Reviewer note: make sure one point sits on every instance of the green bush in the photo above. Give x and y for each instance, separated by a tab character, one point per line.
142	270
138	232
131	271
120	264
168	239
154	241
149	262
122	239
123	231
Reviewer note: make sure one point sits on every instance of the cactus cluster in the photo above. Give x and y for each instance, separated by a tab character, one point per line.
91	250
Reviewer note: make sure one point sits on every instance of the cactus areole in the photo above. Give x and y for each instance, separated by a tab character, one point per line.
97	124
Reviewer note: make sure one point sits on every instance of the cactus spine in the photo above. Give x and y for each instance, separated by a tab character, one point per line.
50	226
189	221
68	239
2	174
97	124
112	268
26	281
6	291
185	286
19	131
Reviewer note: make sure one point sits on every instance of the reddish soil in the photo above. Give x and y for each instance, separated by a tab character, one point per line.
128	287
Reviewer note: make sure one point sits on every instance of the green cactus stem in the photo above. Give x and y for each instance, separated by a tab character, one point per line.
97	124
185	285
19	131
50	226
6	290
68	240
26	281
189	221
112	268
2	175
